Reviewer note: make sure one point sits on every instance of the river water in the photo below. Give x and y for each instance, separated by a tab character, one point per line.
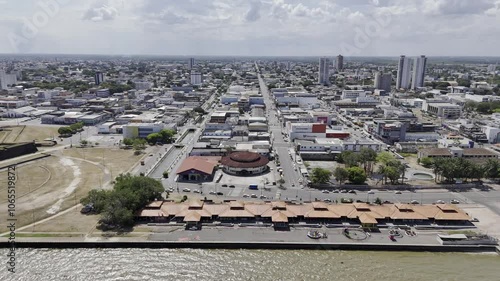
192	264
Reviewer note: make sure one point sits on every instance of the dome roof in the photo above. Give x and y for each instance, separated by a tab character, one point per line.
244	160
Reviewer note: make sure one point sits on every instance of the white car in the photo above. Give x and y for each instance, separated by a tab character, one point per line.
262	197
371	192
414	202
246	195
253	196
212	192
439	202
397	192
196	191
325	191
186	190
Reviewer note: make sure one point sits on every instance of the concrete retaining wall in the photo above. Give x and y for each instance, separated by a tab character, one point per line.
257	245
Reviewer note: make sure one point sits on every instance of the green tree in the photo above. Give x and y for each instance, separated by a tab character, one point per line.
97	198
320	176
356	175
349	158
77	126
199	110
118	206
65	131
127	141
167	135
341	174
154	138
367	157
426	162
165	174
385	157
492	169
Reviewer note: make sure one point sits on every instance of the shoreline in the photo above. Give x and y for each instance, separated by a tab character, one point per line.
253	245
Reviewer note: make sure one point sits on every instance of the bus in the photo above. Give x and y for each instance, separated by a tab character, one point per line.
253	187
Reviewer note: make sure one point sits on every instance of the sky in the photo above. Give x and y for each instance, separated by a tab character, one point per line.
252	27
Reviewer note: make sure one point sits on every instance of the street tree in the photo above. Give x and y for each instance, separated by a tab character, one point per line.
320	176
341	175
356	175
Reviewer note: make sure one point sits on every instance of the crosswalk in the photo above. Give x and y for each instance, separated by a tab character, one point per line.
462	198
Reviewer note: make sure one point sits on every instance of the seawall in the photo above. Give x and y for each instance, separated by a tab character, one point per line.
256	245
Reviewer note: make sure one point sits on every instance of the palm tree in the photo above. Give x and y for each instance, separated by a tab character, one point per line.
492	169
437	167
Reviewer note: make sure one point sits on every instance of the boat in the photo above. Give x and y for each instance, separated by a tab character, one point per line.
314	234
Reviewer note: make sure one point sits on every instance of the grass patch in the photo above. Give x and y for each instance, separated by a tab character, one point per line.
404	154
466	232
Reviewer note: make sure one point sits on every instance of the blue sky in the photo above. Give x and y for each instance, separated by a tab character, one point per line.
252	27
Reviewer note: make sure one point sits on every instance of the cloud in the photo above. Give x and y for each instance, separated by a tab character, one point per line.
170	18
103	13
456	7
254	13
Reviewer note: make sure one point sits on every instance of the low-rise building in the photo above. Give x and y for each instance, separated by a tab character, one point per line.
480	155
141	130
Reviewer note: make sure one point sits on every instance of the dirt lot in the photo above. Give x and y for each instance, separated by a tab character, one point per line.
27	133
47	186
72	221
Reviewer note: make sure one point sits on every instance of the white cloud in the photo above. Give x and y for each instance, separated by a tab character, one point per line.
263	27
102	13
455	7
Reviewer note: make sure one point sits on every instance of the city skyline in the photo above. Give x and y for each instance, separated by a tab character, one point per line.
240	28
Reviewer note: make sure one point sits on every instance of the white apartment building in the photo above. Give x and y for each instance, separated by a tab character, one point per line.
418	72
196	78
403	75
324	71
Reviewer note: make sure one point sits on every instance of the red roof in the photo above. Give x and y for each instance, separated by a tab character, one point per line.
244	159
197	163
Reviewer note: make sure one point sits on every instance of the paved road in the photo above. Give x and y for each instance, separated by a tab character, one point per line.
291	171
490	199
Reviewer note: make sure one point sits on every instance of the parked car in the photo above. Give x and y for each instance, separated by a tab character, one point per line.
186	190
414	202
455	201
87	209
397	192
220	193
253	196
352	191
325	191
196	191
212	192
262	197
327	200
335	191
246	195
224	185
371	192
232	186
439	202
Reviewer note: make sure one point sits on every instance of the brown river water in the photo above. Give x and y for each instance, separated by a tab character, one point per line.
192	264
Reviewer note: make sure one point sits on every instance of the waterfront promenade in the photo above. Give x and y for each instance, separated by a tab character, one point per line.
253	238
